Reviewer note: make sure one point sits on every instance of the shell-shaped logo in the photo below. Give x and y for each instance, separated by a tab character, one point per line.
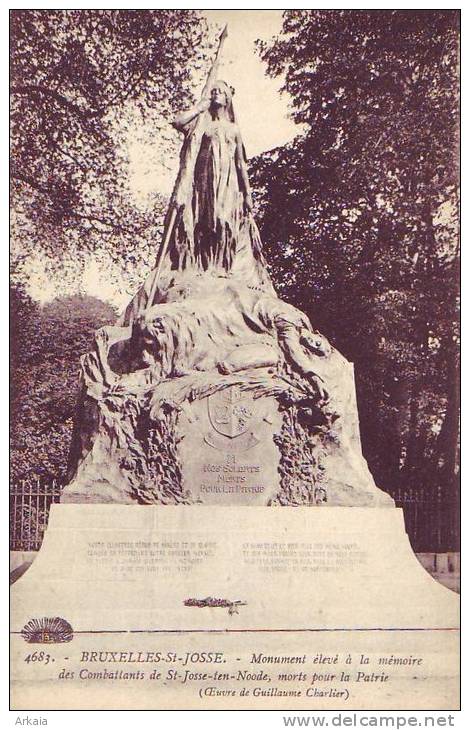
47	631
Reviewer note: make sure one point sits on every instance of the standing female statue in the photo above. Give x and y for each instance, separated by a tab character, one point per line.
209	226
221	199
213	223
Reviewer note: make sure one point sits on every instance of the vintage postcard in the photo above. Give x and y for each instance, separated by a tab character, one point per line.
235	359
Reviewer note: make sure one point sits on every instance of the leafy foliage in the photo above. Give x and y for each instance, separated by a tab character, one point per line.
78	80
359	215
46	346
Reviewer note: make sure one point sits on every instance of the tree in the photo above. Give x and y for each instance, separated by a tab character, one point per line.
47	345
78	78
359	215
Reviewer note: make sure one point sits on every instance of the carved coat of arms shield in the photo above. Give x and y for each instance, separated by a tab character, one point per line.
230	411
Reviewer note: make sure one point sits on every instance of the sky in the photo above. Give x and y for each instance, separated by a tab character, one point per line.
262	115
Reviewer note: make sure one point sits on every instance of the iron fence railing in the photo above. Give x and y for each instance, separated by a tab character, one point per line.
30	502
432	517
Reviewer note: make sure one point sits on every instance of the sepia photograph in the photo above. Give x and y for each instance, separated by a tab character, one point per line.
235	359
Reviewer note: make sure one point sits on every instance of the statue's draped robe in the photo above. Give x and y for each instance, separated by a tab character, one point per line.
210	231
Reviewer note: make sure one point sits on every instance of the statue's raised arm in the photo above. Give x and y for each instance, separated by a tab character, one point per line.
183	118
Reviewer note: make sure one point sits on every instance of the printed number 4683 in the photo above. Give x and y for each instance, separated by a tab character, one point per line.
38	656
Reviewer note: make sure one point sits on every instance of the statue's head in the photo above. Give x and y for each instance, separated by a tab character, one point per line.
315	342
151	335
221	96
159	329
167	338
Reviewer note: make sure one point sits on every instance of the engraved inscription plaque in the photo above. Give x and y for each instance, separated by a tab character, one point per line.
228	454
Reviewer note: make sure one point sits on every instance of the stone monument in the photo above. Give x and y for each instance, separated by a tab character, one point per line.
211	389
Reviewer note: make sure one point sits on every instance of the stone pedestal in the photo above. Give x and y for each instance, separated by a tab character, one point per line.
268	593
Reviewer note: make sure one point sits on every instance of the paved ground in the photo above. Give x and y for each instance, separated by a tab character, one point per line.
444	567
